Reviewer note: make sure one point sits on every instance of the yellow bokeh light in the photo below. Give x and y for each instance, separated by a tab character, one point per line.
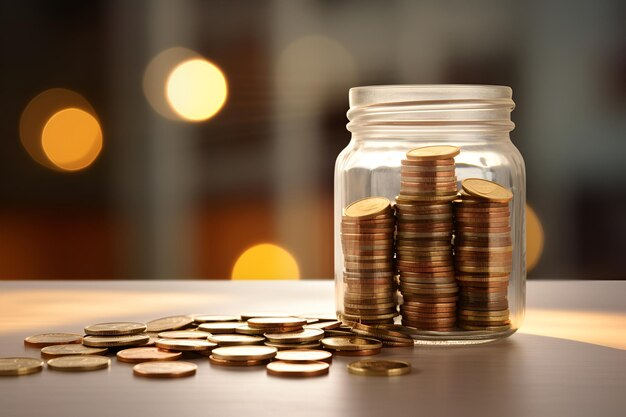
72	139
534	238
266	261
196	89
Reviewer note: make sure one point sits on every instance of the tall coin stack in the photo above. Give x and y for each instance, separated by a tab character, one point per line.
483	254
367	231
424	238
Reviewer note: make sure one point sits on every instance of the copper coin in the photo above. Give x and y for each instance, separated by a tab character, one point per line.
165	369
224	362
51	339
168	323
304	356
146	354
184	334
290	369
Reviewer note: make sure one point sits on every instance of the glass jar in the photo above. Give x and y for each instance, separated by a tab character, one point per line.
388	121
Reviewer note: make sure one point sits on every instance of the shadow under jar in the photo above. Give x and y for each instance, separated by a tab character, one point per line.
388	121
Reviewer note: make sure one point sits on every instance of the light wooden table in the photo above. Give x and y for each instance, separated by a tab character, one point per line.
581	372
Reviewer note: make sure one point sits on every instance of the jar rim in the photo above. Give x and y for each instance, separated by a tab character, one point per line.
399	93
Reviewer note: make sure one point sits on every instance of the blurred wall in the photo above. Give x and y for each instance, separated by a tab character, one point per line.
171	199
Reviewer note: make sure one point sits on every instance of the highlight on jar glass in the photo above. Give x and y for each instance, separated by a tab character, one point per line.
429	213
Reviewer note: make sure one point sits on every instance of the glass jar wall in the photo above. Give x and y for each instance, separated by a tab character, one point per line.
388	121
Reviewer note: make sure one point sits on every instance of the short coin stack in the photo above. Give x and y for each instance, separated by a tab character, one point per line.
424	238
116	334
367	232
483	254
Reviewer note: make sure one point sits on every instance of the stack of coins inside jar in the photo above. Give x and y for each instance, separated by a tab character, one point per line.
444	287
367	236
483	254
424	238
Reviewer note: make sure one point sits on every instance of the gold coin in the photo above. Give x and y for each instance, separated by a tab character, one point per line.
489	190
244	353
50	339
271	322
56	351
370	367
184	334
367	207
165	369
169	323
281	368
235	339
185	344
20	366
302	336
223	362
324	325
220	327
79	363
146	354
120	328
245	329
430	153
351	343
304	355
116	341
213	319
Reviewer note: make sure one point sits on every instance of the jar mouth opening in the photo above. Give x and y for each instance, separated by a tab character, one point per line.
413	108
381	94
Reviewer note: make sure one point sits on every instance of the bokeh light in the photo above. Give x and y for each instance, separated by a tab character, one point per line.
67	129
266	261
72	139
534	238
196	90
180	84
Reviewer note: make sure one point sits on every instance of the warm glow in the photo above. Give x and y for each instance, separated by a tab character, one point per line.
196	89
266	261
534	238
601	328
72	139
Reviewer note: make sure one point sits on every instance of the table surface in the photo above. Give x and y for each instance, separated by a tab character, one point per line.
580	372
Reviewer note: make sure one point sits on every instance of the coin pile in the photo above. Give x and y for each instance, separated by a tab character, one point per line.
287	350
367	232
483	254
424	238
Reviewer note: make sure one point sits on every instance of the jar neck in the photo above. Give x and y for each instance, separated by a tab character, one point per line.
426	111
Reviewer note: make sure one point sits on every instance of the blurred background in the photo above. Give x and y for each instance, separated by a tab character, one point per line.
197	139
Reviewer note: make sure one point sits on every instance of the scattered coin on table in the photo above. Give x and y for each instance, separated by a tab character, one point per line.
20	366
147	354
369	367
116	341
185	345
184	334
235	339
50	339
56	351
79	363
115	329
168	323
290	369
304	355
165	369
